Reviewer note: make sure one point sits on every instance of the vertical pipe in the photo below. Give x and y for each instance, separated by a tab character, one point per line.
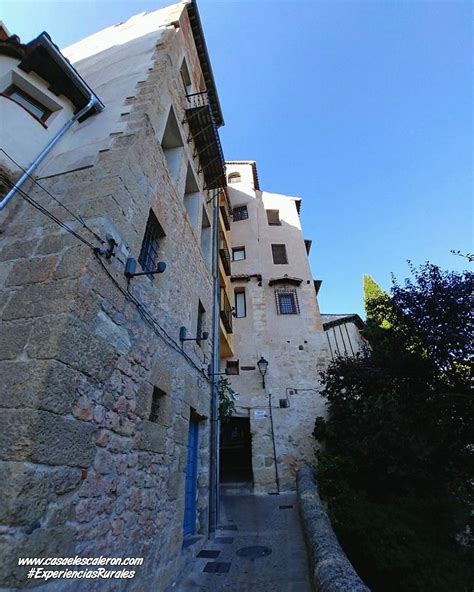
46	150
277	478
215	424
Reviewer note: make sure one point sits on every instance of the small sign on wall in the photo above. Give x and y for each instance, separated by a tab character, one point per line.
260	414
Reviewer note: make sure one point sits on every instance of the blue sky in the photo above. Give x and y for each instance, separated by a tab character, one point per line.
362	108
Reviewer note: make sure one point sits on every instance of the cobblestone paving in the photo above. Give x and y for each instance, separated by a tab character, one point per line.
268	522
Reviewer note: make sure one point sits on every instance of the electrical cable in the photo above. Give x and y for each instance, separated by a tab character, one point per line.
47	213
75	216
150	319
144	313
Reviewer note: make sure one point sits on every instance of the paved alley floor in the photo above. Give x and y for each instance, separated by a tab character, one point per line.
259	547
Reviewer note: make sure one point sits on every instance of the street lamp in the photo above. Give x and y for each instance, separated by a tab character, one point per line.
262	367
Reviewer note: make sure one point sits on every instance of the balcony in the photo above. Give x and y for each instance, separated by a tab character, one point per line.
203	131
224	252
226	311
225	208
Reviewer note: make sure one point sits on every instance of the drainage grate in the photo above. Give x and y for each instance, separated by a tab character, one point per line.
224	540
216	567
208	554
286	507
254	552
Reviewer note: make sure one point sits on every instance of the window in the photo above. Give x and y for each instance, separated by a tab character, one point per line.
150	251
232	367
186	78
234	178
172	144
22	98
279	254
273	217
238	254
192	197
240	304
287	301
200	323
156	401
240	213
206	237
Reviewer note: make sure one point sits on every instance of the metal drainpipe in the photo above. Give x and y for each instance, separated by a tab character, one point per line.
93	101
215	424
277	478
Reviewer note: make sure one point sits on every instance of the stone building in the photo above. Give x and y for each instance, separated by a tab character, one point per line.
277	319
106	388
111	166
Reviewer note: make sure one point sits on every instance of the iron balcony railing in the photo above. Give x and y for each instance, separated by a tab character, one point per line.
224	252
226	311
204	133
225	208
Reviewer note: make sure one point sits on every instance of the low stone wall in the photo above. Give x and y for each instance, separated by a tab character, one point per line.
331	571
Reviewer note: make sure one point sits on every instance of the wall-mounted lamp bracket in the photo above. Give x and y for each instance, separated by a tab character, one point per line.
131	266
210	373
183	333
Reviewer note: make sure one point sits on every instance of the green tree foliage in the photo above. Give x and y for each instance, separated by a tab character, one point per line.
226	399
397	465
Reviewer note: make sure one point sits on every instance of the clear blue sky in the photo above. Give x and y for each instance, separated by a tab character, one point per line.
362	108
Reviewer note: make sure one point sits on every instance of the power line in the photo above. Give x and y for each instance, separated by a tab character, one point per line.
144	313
150	319
75	216
47	213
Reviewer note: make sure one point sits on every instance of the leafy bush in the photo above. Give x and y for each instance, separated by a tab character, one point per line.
397	463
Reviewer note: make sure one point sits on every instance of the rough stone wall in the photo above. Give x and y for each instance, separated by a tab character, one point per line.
83	469
331	571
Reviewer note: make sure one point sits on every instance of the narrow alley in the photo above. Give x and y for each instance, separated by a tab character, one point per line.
259	548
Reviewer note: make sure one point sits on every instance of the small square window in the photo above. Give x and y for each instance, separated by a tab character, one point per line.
149	253
287	301
273	217
29	103
238	254
279	254
232	367
240	213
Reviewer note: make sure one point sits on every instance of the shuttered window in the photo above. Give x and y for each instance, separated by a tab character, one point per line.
279	254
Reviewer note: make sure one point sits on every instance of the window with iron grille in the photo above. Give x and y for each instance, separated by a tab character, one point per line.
287	301
149	253
279	254
232	367
240	213
273	217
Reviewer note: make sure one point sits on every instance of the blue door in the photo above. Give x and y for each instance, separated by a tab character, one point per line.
191	480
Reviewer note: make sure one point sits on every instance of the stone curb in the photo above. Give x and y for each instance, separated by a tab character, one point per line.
331	571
